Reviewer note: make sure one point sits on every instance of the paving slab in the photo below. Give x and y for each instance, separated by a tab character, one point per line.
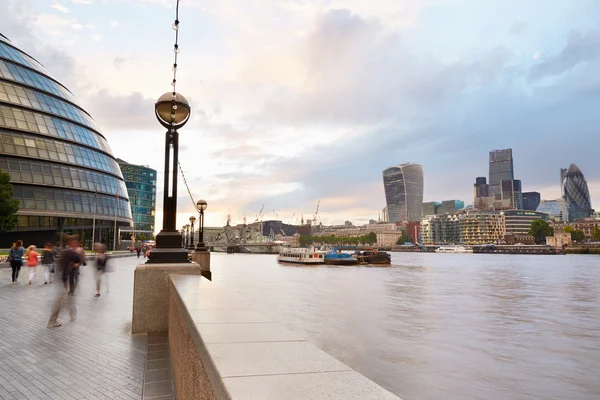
93	357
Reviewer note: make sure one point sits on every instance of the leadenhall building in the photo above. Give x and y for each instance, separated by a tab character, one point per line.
62	169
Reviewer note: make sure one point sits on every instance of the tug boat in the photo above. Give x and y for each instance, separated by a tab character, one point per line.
302	256
373	257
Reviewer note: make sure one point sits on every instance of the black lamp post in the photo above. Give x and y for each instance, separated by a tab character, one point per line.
172	111
201	206
192	220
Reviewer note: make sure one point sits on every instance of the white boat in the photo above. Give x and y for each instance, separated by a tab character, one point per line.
302	256
453	249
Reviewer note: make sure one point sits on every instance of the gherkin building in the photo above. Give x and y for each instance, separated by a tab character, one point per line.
576	194
62	169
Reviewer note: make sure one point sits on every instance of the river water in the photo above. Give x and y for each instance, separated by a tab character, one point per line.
436	326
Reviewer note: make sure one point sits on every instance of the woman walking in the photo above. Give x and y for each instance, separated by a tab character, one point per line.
32	261
48	262
101	261
16	260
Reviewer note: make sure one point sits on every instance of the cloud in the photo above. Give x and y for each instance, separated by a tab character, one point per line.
579	48
60	7
114	24
517	28
115	112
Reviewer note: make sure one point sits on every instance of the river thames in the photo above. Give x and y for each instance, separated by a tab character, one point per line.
447	326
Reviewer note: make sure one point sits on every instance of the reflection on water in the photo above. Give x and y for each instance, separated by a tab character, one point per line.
442	325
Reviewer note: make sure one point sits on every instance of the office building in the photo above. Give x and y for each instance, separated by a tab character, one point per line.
431	208
61	166
518	222
555	209
451	206
576	194
510	191
403	185
384	215
501	169
531	200
140	181
481	188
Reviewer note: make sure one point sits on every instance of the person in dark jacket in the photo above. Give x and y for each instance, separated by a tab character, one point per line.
101	265
66	264
48	262
16	260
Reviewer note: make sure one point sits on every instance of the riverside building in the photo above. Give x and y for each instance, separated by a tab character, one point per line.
403	185
481	227
140	181
62	169
576	194
440	229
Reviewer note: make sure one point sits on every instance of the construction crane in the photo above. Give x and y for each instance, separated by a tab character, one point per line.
316	213
260	214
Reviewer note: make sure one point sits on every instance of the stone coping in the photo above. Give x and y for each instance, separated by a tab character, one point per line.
247	355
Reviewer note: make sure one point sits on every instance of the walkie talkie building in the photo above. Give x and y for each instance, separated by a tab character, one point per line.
61	166
403	185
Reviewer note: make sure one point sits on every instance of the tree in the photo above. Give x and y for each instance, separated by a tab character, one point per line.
141	237
372	238
578	236
405	238
596	233
8	204
539	229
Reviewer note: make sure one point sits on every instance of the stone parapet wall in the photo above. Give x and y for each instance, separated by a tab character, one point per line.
222	348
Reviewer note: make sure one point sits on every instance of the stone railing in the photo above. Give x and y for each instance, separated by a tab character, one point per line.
221	348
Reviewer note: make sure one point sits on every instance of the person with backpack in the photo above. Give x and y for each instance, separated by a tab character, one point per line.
15	256
31	256
48	262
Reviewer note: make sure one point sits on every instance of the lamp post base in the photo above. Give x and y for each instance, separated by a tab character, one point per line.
168	249
200	247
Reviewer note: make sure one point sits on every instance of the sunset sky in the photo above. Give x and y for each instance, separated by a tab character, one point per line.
295	101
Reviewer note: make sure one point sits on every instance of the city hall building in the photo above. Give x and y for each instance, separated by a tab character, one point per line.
61	166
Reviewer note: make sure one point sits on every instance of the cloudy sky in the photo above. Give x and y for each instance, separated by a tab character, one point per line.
295	101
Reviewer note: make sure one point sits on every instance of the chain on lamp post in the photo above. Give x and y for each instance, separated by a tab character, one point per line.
201	206
192	220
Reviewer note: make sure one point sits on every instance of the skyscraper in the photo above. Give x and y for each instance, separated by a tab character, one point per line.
141	187
501	169
403	185
576	194
62	169
481	188
531	200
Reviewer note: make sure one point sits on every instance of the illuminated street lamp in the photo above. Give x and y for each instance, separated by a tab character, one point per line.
172	111
192	220
201	206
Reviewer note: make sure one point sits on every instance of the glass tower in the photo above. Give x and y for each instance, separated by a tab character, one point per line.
576	194
62	169
403	185
141	186
501	169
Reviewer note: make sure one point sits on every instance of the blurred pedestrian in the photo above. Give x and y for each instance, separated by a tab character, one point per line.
15	255
138	250
31	256
66	264
101	265
48	262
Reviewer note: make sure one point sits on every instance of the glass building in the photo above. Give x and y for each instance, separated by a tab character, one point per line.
576	194
62	169
531	200
555	209
403	185
501	169
141	187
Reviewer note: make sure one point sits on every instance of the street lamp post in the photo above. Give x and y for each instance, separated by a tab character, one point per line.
192	220
172	111
201	206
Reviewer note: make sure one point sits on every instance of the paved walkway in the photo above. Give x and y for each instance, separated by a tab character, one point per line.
94	357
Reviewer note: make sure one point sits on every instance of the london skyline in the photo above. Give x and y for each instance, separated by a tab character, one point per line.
292	102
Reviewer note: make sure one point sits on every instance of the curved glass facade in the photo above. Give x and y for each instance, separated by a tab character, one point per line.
403	185
62	169
577	194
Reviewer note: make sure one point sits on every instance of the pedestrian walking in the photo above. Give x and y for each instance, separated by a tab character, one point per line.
31	256
67	262
48	262
15	255
138	250
101	265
